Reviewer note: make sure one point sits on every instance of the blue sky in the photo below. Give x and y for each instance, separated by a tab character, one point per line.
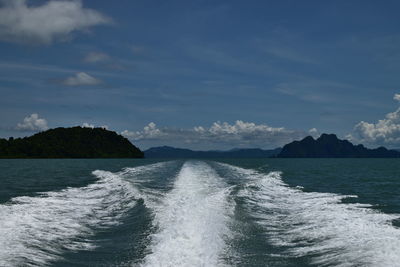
202	74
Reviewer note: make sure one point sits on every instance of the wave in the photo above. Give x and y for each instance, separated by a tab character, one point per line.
319	225
192	220
35	231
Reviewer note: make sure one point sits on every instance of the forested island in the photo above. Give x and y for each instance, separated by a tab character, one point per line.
329	146
83	142
73	142
326	146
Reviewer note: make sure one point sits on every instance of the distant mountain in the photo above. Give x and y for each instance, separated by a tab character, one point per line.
75	142
172	152
329	146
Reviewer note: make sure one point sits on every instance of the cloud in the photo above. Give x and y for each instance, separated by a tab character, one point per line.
96	57
104	60
384	132
314	132
43	24
239	134
89	125
32	123
150	132
81	78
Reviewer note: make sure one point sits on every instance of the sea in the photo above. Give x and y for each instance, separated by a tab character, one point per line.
228	212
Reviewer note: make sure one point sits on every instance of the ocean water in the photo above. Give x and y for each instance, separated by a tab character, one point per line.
236	212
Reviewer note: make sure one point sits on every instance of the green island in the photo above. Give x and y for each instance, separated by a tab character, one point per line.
73	142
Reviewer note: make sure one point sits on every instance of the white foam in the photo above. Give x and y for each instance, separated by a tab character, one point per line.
34	231
137	172
319	225
139	176
191	220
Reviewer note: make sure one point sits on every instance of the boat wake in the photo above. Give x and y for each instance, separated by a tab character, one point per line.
192	220
193	211
319	225
35	231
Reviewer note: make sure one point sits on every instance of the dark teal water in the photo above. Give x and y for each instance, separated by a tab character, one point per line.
239	212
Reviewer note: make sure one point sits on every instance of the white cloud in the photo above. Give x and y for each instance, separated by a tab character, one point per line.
89	125
43	24
81	78
149	132
239	134
96	57
314	132
32	123
384	132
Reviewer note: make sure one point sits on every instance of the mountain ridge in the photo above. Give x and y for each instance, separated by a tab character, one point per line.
329	146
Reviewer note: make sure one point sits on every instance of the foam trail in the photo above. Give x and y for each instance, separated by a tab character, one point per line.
34	231
319	225
192	220
146	170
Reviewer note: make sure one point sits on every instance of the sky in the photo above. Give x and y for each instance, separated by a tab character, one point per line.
203	74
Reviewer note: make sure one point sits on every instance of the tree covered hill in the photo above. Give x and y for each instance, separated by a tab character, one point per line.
329	146
74	142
